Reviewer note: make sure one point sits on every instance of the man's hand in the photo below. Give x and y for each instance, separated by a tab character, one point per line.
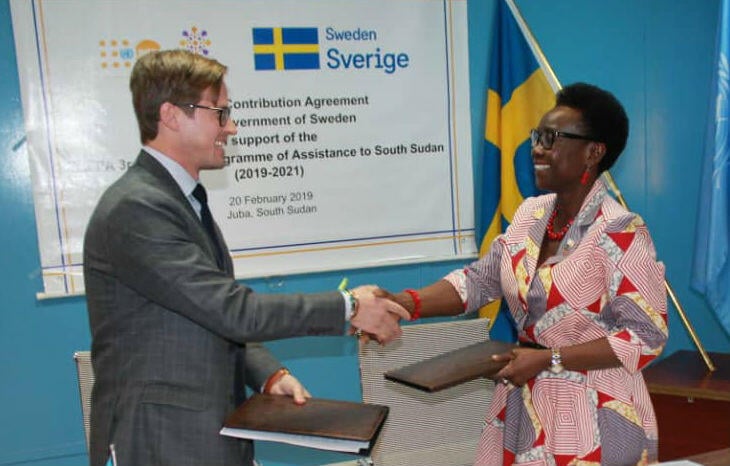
376	315
290	385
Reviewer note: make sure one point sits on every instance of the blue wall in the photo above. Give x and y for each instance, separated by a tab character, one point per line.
656	56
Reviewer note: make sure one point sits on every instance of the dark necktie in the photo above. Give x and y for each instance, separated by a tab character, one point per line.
207	219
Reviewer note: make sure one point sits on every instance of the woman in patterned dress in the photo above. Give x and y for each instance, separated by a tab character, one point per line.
580	276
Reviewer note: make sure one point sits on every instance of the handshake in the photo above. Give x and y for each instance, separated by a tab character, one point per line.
377	313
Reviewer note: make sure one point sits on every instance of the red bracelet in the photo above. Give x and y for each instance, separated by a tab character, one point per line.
416	303
275	377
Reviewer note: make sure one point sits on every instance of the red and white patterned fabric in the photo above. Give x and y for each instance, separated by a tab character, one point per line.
604	281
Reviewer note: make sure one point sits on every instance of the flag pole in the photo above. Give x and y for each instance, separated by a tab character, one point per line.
556	86
535	47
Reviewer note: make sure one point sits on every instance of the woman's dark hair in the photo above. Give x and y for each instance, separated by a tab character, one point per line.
604	118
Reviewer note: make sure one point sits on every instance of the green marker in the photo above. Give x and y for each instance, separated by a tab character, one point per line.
343	284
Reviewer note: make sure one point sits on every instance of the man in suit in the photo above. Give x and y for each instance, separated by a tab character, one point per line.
174	336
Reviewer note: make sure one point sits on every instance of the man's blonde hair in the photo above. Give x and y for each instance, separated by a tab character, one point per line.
175	76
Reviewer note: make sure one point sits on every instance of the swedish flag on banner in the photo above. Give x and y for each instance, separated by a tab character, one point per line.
286	49
519	94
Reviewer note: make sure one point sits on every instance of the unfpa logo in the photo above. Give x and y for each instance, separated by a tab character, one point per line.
285	49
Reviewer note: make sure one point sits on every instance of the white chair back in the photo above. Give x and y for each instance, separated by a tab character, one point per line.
434	429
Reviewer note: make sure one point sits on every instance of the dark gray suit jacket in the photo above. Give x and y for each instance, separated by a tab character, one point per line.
173	336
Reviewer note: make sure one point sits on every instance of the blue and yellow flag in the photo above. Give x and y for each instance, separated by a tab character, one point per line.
285	49
711	272
519	94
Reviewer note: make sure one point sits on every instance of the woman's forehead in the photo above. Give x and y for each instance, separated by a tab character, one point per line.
560	117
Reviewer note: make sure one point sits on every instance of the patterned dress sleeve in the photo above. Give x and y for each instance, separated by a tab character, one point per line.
478	283
636	312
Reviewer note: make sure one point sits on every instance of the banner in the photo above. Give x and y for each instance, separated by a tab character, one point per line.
711	273
519	94
353	117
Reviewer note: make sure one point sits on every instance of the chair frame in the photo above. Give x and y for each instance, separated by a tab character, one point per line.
85	376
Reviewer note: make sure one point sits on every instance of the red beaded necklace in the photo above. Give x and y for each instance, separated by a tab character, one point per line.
559	235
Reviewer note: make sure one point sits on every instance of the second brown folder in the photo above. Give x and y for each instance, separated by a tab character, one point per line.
452	368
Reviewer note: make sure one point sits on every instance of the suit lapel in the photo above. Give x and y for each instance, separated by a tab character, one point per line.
524	241
164	179
168	183
227	262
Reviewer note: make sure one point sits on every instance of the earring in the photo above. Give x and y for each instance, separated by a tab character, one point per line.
584	177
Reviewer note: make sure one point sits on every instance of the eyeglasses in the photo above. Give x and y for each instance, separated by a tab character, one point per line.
223	112
547	137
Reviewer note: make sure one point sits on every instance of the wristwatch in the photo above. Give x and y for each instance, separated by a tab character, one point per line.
556	361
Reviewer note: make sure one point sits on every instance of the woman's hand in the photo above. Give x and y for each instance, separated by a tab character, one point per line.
522	365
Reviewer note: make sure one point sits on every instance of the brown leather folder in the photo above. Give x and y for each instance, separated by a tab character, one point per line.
452	368
319	423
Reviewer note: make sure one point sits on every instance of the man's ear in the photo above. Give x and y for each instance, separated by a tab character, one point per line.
169	114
